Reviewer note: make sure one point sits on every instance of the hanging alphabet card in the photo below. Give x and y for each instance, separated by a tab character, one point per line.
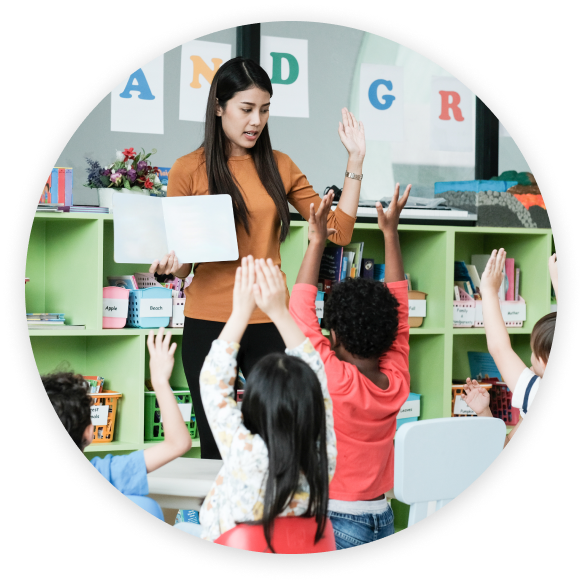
137	104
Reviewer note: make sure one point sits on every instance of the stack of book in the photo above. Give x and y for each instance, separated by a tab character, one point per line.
49	321
95	384
85	209
48	207
468	278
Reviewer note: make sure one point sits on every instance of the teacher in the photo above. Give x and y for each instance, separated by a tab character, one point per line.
236	158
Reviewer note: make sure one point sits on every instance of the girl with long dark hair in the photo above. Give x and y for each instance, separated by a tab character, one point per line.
236	158
280	449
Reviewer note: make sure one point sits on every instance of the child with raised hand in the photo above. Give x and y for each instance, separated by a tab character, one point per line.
521	380
68	393
367	366
280	449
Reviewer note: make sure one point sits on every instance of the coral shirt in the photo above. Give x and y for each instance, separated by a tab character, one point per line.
365	416
210	295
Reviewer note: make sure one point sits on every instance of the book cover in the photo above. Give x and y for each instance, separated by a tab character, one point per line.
54	186
379	272
331	263
344	268
163	175
510	275
45	197
350	256
95	384
473	272
68	186
61	189
517	285
367	269
461	274
124	281
482	366
357	248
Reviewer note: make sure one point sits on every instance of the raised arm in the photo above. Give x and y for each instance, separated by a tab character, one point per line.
177	440
388	222
507	361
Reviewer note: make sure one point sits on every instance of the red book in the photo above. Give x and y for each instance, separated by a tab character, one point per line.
61	187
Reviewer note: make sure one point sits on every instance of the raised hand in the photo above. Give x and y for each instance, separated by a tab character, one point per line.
243	298
493	275
318	230
351	134
388	220
270	290
167	265
476	397
161	356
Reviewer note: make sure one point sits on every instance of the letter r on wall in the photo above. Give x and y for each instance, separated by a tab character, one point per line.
450	100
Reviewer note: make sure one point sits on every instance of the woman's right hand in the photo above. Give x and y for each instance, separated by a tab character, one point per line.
167	265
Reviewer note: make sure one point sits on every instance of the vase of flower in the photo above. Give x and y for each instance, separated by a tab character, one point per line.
131	173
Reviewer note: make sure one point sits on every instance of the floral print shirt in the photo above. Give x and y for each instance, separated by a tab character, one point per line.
238	492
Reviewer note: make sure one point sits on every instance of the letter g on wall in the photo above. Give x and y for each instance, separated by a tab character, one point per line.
387	100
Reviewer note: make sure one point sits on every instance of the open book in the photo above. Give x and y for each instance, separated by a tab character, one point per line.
199	229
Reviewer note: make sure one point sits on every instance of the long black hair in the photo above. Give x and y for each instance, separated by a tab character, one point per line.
240	74
283	403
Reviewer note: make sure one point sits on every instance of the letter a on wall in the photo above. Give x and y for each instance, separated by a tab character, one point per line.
452	115
286	63
381	102
199	62
137	104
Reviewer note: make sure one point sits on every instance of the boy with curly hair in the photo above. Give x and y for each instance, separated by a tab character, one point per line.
367	366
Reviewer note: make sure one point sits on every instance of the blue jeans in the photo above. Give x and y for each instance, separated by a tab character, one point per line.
351	530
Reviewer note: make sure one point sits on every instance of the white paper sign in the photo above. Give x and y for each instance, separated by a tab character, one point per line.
286	63
115	308
198	228
513	312
381	98
137	104
461	408
99	414
199	61
156	308
410	409
185	411
320	308
417	308
452	115
463	315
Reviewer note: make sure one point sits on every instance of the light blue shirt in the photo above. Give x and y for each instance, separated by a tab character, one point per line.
126	472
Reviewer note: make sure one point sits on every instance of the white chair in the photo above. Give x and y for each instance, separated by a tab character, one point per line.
437	459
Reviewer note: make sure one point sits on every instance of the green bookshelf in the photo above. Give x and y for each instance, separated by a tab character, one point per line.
70	256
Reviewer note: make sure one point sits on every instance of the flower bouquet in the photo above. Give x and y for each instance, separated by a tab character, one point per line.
130	171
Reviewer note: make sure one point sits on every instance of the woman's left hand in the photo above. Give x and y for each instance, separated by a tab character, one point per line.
351	134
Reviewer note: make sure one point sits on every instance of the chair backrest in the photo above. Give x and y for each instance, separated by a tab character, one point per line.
435	460
148	505
292	535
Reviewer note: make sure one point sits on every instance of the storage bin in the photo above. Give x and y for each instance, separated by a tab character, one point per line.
410	410
417	308
146	280
177	320
150	308
153	428
459	408
320	305
103	412
115	306
501	403
464	311
514	313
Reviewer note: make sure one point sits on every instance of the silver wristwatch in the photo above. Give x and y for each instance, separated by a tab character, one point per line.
353	175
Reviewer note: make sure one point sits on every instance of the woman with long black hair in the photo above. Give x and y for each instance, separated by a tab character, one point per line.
236	158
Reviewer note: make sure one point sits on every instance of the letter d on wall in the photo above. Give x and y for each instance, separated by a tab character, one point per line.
286	63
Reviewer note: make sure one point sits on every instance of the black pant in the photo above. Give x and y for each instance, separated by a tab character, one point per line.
258	340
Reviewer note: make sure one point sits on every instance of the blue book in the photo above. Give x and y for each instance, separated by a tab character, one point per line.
55	186
331	264
163	176
482	366
344	268
474	186
379	272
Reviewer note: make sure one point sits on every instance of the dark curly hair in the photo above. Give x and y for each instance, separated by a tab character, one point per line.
363	314
67	392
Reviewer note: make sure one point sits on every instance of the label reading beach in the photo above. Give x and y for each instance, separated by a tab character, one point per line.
320	308
156	308
461	408
114	308
417	308
185	411
410	409
99	414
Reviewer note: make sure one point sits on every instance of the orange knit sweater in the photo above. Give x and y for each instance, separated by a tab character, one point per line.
210	295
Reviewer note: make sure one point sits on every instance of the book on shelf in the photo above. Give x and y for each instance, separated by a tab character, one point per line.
40	326
48	316
95	384
509	269
357	248
58	188
482	366
123	281
367	268
331	263
409	284
85	209
517	285
379	272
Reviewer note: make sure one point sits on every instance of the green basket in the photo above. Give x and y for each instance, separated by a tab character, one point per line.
153	429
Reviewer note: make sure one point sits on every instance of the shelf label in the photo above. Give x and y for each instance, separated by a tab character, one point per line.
410	409
460	407
178	313
99	414
185	411
463	315
115	308
156	308
417	309
320	308
513	312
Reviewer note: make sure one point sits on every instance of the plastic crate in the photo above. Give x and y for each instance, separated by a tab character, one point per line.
501	404
159	298
115	303
458	391
104	433
153	429
146	280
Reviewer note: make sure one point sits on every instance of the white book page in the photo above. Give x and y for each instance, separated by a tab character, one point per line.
201	229
139	234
